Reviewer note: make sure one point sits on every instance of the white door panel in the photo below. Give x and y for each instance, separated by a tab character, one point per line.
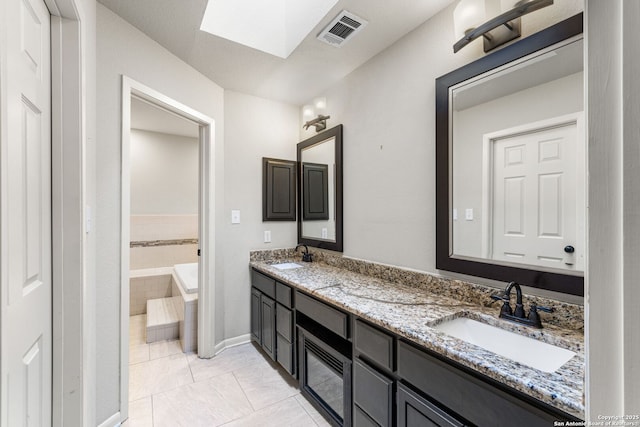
535	194
25	215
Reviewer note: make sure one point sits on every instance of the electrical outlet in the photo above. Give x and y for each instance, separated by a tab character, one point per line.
267	236
468	214
235	217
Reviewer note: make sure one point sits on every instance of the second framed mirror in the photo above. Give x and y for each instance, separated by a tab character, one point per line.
320	190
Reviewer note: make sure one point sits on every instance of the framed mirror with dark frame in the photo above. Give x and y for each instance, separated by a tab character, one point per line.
320	190
469	228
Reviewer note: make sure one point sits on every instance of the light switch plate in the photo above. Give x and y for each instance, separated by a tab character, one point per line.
455	214
267	236
468	214
235	217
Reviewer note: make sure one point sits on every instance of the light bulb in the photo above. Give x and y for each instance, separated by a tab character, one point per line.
308	112
467	15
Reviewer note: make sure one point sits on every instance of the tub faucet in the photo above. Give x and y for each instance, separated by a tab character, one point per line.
518	315
306	256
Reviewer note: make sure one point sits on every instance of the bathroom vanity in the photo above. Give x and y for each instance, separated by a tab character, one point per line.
370	332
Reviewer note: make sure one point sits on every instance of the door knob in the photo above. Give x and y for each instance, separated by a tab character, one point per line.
569	249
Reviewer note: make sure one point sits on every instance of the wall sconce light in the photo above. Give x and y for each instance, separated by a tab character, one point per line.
469	14
319	107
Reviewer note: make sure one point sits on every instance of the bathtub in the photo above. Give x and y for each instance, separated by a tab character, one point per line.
187	276
184	291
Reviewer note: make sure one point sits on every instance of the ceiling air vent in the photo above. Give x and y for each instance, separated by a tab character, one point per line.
341	29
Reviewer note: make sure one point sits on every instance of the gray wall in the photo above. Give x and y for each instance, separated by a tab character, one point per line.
254	128
164	173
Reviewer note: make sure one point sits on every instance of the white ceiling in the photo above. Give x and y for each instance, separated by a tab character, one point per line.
308	71
145	116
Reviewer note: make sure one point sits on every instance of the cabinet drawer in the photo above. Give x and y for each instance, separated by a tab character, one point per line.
283	294
374	344
373	392
284	322
264	284
415	411
284	350
475	400
329	317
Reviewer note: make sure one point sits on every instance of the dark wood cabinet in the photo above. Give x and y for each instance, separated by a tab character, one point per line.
279	190
284	338
256	328
416	411
315	196
272	321
472	398
263	321
268	317
373	395
375	345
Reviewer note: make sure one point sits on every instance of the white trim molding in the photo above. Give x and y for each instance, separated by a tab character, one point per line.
232	342
72	68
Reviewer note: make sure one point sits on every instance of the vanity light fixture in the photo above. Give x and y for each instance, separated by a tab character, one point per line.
319	107
505	27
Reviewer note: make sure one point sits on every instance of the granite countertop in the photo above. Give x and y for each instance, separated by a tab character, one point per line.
412	312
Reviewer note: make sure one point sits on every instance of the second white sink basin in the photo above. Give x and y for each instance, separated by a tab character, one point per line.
525	350
286	266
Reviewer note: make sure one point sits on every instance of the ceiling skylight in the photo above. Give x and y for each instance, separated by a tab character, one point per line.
275	26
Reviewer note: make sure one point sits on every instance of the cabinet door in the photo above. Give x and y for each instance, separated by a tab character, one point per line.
373	393
268	311
284	320
284	338
256	329
284	350
415	411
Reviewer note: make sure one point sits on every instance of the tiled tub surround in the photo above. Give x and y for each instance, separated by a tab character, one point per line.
146	284
156	283
163	240
410	303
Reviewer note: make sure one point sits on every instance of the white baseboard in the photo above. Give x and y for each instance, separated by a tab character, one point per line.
112	421
232	342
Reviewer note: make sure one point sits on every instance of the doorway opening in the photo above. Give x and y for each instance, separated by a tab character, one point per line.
167	227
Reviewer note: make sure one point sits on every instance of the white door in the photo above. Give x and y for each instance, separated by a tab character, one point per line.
536	195
25	214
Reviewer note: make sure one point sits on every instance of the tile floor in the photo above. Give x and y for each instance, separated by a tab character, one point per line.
238	387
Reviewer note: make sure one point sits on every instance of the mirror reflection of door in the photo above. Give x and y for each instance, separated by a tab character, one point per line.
512	200
535	208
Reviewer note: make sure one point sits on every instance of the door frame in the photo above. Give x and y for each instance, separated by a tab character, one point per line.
206	218
488	141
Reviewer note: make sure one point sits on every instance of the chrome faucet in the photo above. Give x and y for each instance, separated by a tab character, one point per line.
306	256
518	315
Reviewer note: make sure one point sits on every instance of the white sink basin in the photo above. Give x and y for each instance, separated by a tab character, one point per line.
286	266
525	350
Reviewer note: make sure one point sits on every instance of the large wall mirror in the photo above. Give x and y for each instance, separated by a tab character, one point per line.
320	190
511	163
